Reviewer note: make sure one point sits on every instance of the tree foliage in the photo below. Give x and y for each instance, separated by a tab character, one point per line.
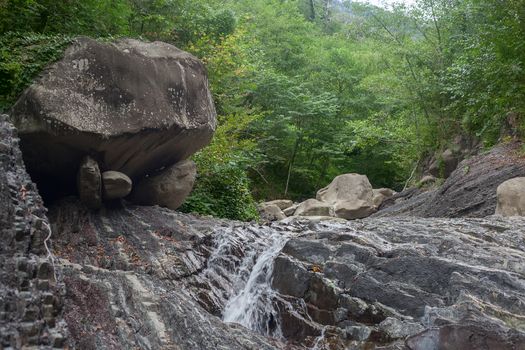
307	89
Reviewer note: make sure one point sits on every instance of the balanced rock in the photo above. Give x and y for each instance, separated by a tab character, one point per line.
115	185
89	183
351	196
135	106
313	207
511	197
270	212
168	188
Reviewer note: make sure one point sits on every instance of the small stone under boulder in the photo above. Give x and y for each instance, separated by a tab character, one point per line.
115	185
511	197
168	188
89	182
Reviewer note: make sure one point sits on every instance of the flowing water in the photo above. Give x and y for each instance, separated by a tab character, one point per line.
239	276
252	304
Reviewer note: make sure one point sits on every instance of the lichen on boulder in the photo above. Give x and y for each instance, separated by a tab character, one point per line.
134	106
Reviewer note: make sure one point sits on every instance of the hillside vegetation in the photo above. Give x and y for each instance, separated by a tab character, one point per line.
306	89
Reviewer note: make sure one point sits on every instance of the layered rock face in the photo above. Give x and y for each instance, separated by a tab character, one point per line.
152	278
148	278
160	279
30	296
134	107
470	191
406	284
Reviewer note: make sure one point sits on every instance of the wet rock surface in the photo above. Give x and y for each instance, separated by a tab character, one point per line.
408	283
470	191
151	278
161	279
131	276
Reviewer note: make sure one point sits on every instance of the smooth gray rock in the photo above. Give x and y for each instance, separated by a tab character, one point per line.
135	106
380	194
351	195
444	164
270	212
89	182
313	207
281	203
290	210
168	188
511	197
115	185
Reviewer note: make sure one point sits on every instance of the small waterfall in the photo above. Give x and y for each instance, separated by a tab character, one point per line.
252	306
239	275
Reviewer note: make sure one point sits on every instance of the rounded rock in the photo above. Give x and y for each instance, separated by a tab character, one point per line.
116	185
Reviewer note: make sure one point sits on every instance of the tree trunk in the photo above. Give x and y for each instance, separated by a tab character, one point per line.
312	10
292	160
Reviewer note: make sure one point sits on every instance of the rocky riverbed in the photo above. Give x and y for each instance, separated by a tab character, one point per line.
145	277
123	276
159	279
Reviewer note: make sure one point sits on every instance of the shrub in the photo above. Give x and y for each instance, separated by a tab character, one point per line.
222	191
22	58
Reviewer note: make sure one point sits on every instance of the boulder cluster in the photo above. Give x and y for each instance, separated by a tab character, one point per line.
348	196
115	120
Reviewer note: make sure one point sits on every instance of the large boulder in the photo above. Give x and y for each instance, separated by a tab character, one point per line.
134	106
313	207
351	195
511	197
352	210
168	188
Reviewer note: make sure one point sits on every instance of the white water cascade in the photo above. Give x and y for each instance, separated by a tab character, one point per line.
252	306
239	276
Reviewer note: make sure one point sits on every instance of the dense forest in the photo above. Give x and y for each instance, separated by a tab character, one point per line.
306	89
